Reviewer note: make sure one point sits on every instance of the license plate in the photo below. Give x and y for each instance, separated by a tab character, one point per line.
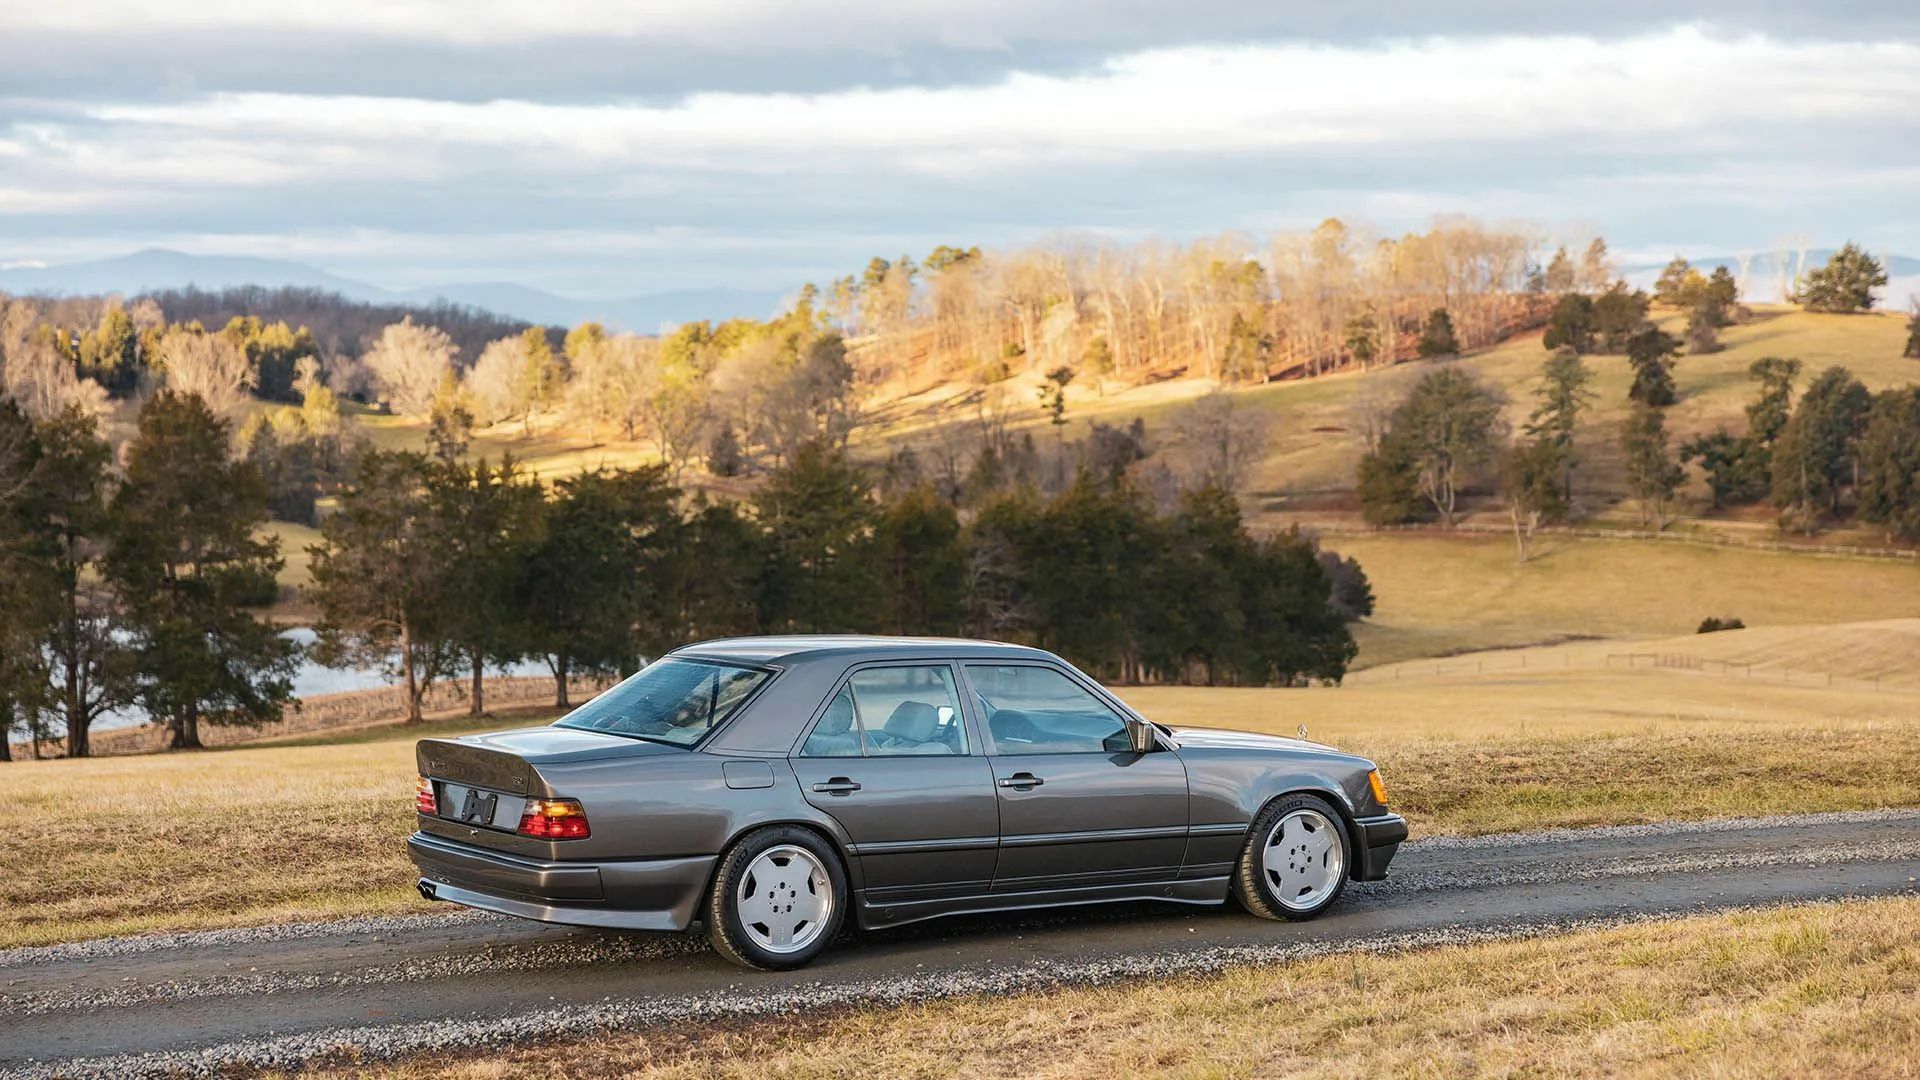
477	806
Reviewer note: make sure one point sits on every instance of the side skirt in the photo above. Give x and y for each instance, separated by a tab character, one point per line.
1211	890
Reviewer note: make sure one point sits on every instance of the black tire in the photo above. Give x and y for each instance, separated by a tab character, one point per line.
1253	888
730	936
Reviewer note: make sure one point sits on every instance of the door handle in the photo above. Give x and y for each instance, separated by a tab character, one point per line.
1021	781
839	785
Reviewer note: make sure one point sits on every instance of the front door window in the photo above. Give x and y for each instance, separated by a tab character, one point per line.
1038	710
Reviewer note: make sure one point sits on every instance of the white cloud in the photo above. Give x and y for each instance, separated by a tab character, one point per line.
22	200
1643	131
496	21
1174	102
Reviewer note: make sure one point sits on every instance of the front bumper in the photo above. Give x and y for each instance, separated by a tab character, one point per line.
1380	837
639	894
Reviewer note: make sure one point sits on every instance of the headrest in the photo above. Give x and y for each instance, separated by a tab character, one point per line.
838	719
915	721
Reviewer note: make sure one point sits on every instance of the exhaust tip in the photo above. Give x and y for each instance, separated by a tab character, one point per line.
426	890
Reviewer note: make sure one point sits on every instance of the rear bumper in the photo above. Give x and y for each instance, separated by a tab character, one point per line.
640	894
1380	837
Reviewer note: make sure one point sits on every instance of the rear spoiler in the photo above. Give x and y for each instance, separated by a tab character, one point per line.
447	759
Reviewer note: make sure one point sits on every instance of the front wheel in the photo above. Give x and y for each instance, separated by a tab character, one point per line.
778	899
1296	861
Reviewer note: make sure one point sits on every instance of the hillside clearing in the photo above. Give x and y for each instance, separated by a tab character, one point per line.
1314	447
1438	594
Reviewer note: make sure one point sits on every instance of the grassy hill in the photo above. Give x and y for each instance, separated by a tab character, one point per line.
1441	594
1437	594
1315	448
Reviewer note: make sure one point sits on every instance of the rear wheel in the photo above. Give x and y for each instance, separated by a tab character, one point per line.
778	899
1296	861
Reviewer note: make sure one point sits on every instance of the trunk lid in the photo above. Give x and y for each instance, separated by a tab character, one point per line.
502	758
481	783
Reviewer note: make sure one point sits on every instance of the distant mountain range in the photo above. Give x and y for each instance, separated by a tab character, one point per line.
159	268
1768	274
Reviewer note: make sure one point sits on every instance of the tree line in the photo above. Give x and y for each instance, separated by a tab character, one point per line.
133	586
138	584
437	566
1231	308
1833	449
338	326
738	397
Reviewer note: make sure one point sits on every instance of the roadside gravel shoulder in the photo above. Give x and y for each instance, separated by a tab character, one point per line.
354	989
105	948
748	1001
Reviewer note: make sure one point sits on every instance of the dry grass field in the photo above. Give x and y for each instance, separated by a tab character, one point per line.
1551	736
1823	990
1439	594
295	539
312	827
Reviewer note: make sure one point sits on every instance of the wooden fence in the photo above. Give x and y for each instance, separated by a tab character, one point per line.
1706	665
1589	660
1349	528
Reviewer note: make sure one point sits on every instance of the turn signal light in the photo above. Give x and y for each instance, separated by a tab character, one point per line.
423	799
554	819
1379	786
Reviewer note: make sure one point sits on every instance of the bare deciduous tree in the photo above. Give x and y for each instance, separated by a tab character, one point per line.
1221	437
1224	307
409	363
33	372
501	381
209	365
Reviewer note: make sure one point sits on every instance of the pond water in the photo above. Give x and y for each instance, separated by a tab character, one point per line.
312	680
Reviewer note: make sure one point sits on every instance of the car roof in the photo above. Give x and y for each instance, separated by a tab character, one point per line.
853	648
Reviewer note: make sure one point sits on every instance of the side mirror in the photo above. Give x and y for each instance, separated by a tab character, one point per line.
1139	735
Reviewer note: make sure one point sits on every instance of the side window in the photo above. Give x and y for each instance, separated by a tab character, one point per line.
1038	710
834	735
891	711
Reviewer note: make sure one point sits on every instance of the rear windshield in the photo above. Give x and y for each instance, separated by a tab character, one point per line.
671	701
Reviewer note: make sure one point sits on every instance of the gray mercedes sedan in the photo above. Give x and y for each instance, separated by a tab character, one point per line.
771	787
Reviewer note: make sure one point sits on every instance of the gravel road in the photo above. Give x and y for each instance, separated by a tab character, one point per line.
278	996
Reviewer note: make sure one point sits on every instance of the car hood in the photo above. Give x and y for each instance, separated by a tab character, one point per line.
554	744
1221	739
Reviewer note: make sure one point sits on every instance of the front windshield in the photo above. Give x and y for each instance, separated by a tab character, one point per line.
673	701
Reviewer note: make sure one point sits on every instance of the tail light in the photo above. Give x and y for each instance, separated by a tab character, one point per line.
554	819
1379	786
423	799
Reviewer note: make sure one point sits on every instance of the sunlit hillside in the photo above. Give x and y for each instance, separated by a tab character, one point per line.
1313	422
1438	594
1314	443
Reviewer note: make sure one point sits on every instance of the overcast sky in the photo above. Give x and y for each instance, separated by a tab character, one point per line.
595	148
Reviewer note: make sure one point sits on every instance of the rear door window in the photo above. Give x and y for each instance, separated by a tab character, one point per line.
1039	710
891	712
